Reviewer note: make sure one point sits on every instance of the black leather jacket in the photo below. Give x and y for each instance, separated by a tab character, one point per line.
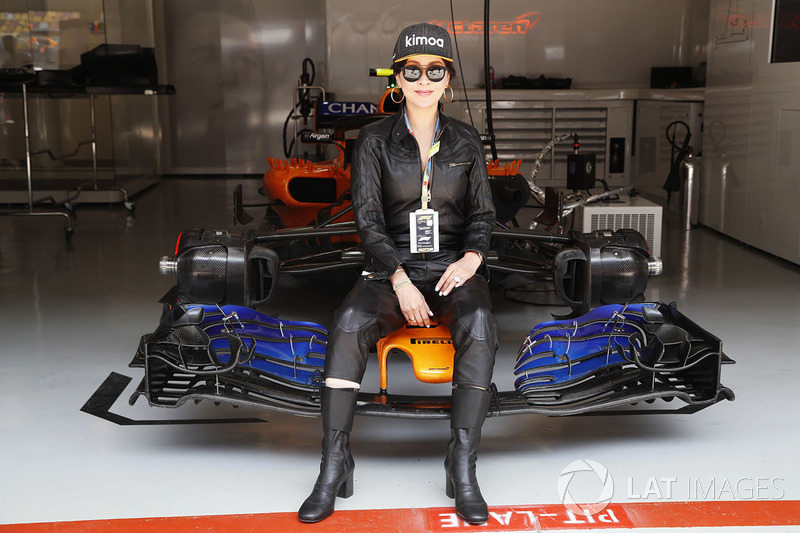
386	182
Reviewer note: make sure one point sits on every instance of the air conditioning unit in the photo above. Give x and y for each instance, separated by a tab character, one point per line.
626	213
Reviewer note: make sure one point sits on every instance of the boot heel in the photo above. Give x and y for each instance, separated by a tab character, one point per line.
346	488
448	487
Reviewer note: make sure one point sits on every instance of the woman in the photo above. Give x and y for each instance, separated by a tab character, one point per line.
424	214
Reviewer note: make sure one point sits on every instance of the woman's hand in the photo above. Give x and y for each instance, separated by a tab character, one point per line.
414	306
458	273
412	303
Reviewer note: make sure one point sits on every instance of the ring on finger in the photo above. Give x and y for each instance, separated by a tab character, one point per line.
457	279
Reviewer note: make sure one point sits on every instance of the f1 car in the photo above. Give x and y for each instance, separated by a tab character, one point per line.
611	350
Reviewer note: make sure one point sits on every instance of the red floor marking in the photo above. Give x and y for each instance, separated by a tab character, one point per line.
527	517
507	518
716	513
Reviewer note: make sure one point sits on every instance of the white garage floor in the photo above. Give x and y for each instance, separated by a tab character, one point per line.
73	313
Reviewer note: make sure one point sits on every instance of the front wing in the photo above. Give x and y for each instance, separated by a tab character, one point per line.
603	361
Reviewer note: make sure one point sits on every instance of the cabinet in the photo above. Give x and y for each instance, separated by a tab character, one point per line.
525	121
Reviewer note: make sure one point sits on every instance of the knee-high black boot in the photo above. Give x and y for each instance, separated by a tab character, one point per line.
336	471
469	407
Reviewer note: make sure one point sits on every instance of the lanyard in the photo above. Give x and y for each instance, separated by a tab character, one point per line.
426	176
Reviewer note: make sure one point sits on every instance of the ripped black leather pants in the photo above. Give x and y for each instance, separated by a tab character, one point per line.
371	311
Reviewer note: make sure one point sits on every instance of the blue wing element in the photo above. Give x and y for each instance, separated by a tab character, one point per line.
602	343
208	340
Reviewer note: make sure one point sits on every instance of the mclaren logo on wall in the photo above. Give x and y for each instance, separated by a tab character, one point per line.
518	26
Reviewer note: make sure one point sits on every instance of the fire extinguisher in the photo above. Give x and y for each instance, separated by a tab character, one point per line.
690	190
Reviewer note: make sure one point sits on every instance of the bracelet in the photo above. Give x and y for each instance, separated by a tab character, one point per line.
480	255
401	284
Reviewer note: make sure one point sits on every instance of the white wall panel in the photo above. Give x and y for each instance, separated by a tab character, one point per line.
751	185
725	141
786	236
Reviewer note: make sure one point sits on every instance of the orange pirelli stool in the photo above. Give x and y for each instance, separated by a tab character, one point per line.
430	350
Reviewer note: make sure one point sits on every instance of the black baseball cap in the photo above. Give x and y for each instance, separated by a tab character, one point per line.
423	39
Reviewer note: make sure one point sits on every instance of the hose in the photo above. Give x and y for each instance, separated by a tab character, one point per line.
487	81
460	67
537	191
677	155
305	79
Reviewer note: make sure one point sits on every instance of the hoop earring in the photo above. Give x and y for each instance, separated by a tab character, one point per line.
452	94
393	92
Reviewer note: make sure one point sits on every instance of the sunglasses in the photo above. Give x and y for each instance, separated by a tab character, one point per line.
434	72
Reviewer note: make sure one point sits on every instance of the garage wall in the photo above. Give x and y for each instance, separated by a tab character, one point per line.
612	43
750	180
234	64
